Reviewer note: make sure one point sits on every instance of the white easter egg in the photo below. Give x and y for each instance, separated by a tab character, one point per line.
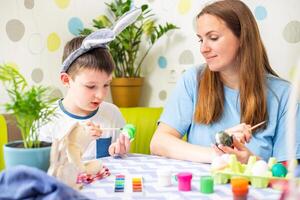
260	168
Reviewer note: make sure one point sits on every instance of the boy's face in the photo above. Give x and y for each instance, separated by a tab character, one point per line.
86	91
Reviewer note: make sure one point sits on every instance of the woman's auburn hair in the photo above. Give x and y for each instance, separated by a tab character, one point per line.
253	67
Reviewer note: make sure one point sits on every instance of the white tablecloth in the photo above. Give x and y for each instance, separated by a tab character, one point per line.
135	165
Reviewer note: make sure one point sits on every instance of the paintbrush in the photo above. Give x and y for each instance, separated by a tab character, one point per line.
110	129
257	125
225	139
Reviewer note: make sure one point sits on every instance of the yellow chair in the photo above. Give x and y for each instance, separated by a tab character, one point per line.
145	120
3	139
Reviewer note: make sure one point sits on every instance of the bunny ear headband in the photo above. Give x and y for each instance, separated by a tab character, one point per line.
100	38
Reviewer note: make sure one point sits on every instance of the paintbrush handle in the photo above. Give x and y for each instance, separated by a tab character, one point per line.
110	129
257	125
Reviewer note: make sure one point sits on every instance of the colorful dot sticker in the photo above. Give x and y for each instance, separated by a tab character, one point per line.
260	13
184	6
53	42
37	75
291	32
62	3
29	4
186	57
15	30
162	62
292	73
162	95
75	25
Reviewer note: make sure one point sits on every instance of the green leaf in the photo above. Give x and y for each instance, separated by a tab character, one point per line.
31	105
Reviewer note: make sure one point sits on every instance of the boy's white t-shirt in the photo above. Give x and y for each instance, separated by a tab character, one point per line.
107	116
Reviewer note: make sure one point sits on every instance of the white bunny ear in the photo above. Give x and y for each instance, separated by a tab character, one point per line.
127	19
100	38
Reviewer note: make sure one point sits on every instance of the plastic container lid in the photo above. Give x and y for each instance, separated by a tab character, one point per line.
239	182
184	176
164	172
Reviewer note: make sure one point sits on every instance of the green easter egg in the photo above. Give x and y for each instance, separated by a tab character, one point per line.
130	130
279	170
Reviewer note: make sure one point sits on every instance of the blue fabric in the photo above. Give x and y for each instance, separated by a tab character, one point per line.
22	182
180	107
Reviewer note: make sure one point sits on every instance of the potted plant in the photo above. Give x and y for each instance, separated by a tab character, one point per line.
32	107
126	49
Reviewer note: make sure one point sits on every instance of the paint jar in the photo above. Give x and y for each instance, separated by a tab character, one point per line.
184	181
164	177
239	186
206	184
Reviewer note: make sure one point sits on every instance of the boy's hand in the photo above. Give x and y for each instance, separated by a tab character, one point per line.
242	132
239	149
94	130
120	147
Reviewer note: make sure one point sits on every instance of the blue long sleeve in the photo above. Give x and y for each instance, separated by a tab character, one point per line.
22	182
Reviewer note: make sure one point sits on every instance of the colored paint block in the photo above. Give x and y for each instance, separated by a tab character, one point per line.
119	183
137	184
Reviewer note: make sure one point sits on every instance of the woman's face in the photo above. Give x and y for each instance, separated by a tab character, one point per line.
219	45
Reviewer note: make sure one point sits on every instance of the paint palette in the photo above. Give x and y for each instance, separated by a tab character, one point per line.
129	184
120	183
137	184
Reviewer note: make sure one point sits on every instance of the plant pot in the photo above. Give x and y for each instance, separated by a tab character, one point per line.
34	157
126	92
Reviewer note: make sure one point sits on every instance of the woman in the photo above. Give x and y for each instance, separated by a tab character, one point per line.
236	88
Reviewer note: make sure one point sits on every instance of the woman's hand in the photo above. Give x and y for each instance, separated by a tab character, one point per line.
120	147
241	132
239	149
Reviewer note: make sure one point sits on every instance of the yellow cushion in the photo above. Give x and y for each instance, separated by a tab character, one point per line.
145	120
3	139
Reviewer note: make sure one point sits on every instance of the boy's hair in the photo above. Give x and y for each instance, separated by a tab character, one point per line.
97	59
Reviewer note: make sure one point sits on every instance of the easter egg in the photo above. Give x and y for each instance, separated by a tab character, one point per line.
279	170
260	168
129	130
224	138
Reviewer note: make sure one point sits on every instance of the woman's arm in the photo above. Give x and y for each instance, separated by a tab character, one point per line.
166	141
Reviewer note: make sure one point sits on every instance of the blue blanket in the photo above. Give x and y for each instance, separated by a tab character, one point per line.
22	182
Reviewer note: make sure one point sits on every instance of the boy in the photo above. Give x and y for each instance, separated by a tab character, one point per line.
87	76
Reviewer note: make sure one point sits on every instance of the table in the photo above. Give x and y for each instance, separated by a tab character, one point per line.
146	166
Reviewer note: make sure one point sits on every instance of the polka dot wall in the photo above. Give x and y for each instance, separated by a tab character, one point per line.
34	33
